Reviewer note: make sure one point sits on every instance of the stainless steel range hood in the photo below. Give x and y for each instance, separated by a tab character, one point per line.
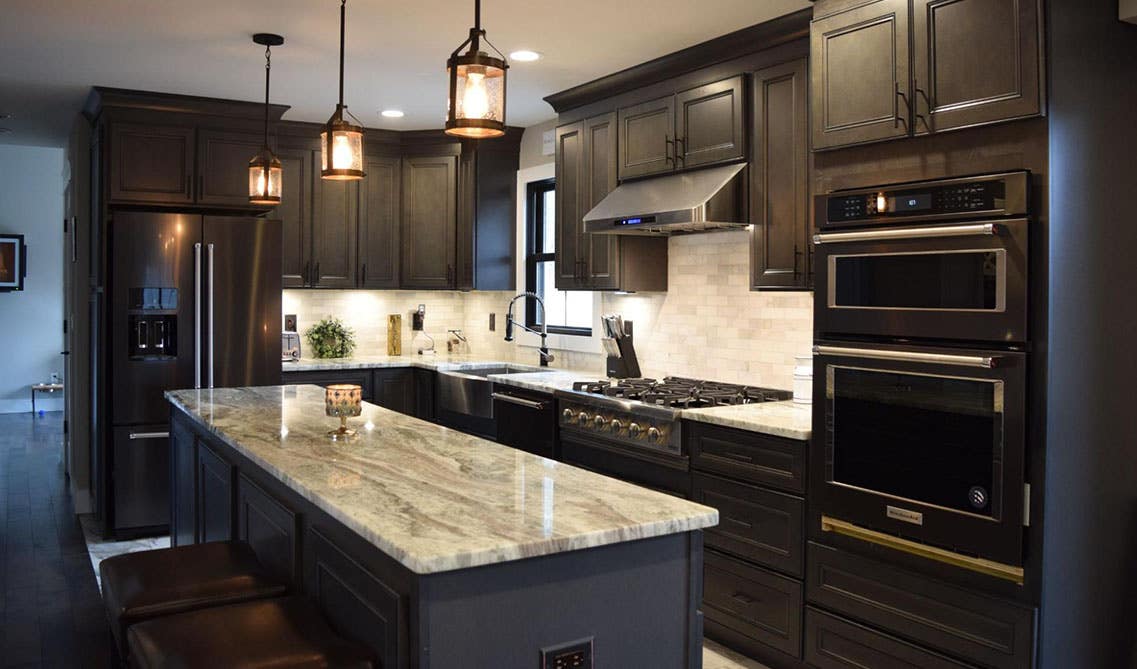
709	199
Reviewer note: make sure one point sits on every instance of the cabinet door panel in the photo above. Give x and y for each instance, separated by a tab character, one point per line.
430	198
151	163
223	167
569	170
709	123
394	389
335	230
270	528
779	190
599	179
860	77
647	138
295	214
835	643
183	465
975	62
214	496
740	600
759	525
379	231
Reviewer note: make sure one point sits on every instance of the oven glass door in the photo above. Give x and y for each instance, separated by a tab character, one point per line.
927	443
917	437
964	282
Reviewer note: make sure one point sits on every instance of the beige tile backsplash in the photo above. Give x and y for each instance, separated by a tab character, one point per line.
707	325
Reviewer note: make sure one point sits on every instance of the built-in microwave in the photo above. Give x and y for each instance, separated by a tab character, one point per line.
934	260
924	444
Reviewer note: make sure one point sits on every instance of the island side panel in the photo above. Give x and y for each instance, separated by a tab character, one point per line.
638	603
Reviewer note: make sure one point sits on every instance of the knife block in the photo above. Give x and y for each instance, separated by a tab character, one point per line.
394	334
626	365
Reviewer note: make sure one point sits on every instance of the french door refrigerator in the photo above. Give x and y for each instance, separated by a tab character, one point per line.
194	302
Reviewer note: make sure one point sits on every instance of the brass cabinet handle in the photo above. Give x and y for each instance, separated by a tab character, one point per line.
989	567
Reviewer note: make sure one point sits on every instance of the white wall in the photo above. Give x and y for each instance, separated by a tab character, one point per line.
31	321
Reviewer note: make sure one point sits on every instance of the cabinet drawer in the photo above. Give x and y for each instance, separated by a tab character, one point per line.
750	456
759	525
745	600
835	643
992	632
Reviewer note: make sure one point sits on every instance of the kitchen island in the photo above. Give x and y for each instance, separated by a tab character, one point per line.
437	548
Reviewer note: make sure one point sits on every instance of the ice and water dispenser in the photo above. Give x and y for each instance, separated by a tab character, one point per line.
153	323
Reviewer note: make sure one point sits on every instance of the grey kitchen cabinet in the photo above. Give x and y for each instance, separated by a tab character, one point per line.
359	377
860	80
335	231
890	69
779	179
394	389
957	84
699	126
585	174
151	163
223	167
214	491
379	231
295	214
429	221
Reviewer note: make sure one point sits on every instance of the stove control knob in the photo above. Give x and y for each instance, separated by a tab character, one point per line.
600	422
584	417
634	430
616	426
568	415
653	433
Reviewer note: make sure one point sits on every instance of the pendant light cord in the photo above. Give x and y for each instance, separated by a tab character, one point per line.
268	70
343	13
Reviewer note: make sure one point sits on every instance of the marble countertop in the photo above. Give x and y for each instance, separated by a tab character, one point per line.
432	498
781	419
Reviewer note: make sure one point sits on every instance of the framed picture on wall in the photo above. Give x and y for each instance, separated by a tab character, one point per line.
13	262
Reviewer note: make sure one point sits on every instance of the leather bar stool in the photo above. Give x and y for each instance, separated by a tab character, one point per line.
277	633
149	584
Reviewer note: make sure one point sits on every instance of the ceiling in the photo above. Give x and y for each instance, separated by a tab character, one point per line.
53	51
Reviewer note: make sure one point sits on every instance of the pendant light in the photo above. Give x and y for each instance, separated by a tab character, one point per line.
265	172
476	109
341	142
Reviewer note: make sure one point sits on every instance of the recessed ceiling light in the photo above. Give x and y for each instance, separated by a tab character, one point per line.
392	113
525	56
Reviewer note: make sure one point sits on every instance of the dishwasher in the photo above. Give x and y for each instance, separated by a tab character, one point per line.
526	420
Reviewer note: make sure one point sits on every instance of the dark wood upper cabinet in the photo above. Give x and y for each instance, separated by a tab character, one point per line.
974	62
569	161
334	231
709	123
647	138
429	224
779	186
295	214
860	88
152	163
223	167
599	252
379	223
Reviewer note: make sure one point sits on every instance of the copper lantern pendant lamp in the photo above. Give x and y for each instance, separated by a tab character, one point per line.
265	172
476	108
341	142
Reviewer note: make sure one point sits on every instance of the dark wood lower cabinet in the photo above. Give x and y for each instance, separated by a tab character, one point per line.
359	377
214	496
424	394
762	526
270	527
774	462
750	608
183	465
986	630
394	389
836	643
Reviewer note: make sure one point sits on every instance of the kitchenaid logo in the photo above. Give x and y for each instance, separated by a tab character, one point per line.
905	515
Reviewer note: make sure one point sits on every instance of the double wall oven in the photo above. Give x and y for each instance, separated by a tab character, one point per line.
920	368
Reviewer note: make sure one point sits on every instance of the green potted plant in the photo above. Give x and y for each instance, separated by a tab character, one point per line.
330	338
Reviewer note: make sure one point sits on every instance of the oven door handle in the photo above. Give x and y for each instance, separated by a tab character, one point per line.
983	361
978	229
528	404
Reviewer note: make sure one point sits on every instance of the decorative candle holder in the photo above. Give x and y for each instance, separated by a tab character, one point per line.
344	401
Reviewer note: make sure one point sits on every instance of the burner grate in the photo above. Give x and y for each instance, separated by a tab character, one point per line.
682	393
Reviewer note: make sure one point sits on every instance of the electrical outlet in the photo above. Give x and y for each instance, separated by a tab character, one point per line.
290	322
571	655
493	322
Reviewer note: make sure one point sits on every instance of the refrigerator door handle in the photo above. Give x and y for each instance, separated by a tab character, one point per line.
211	301
197	315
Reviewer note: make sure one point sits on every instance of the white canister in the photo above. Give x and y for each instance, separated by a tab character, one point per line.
803	379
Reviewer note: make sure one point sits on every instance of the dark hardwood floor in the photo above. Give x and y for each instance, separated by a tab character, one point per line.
50	603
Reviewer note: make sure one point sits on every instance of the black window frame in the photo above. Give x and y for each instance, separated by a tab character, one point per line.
534	242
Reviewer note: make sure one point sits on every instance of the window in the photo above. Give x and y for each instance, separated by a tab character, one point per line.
568	312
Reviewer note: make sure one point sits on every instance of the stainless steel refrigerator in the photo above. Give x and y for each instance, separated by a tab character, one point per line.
193	302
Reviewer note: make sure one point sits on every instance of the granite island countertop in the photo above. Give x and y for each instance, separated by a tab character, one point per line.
432	498
780	419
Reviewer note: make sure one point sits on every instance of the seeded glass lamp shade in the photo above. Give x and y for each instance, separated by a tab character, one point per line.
476	107
341	142
265	175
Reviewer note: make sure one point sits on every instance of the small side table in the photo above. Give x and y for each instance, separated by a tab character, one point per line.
43	388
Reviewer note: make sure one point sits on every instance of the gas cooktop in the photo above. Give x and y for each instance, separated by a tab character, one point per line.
681	393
